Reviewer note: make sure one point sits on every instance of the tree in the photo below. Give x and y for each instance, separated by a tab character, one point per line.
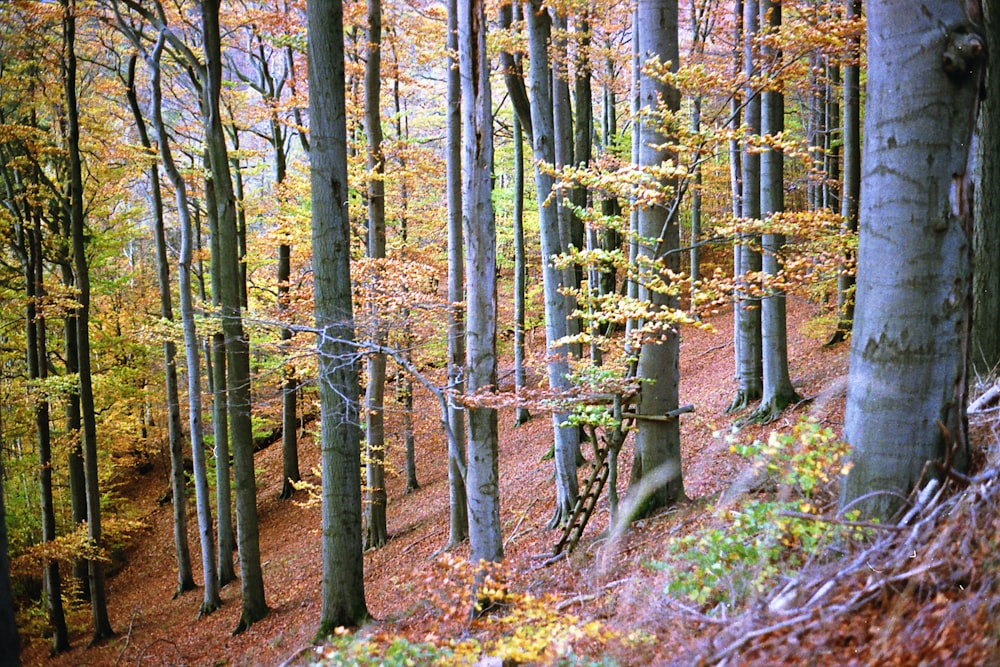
185	577
907	385
458	525
11	656
557	310
657	441
777	390
376	533
747	333
98	597
254	606
482	483
343	592
985	344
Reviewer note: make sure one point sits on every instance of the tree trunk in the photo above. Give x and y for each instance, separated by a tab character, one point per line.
376	533
11	656
254	606
482	484
906	391
520	271
343	590
657	443
851	188
185	577
211	600
985	347
736	174
98	599
554	280
459	515
778	392
512	72
37	357
749	370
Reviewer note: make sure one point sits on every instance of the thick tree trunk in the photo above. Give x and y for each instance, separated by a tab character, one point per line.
778	392
98	599
254	606
458	524
985	347
343	591
482	484
554	280
907	389
657	443
376	533
749	370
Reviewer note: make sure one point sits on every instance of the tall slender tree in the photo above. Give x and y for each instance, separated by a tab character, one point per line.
343	588
185	577
777	384
553	279
458	526
98	596
11	656
747	334
482	476
907	385
254	606
376	533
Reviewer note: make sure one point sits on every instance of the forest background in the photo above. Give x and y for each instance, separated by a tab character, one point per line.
337	228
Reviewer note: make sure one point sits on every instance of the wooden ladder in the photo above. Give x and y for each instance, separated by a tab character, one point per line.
584	505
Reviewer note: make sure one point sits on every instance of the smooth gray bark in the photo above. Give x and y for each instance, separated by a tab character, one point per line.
185	578
253	606
482	482
778	392
906	390
458	523
985	346
520	270
211	600
850	194
376	533
343	588
657	443
554	280
747	334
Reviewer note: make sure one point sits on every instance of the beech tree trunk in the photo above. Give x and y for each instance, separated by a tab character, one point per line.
554	280
343	588
458	525
778	392
985	347
482	482
254	606
850	194
749	368
36	346
376	533
906	392
81	271
185	577
657	443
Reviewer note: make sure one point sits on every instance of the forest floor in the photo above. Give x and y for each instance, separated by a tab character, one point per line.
605	580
